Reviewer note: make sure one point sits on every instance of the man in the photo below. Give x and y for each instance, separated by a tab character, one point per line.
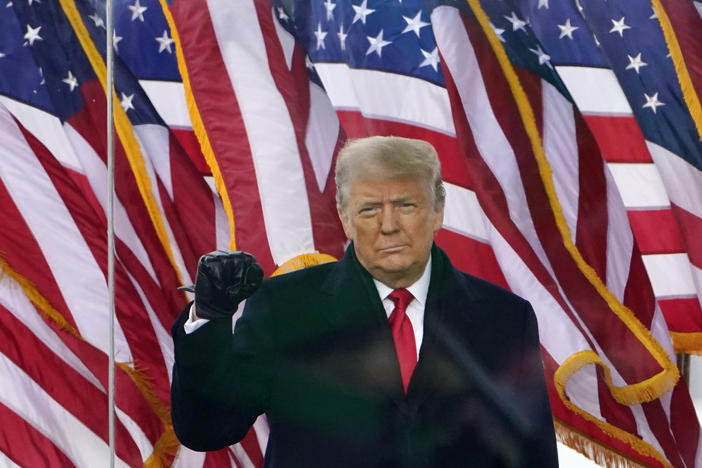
389	357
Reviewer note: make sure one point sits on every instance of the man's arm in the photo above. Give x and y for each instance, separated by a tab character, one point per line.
220	381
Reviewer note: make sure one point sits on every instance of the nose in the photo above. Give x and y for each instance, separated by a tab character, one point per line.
388	220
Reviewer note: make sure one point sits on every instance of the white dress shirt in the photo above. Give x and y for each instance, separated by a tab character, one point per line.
415	309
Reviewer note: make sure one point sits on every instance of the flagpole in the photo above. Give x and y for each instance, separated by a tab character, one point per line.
109	52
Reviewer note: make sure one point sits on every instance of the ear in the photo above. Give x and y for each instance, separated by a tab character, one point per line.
345	223
439	220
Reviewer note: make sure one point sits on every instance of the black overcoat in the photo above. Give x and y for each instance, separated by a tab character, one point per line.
313	350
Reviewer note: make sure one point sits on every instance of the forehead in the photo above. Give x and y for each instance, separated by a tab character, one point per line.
380	189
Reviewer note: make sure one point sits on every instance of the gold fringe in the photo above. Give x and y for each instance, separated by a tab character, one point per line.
199	125
687	343
646	390
167	445
688	89
303	261
123	128
41	303
576	362
592	449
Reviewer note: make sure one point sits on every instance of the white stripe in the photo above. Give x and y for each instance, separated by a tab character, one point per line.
46	128
262	430
322	134
463	214
168	98
162	335
146	449
682	180
388	96
595	90
287	41
242	456
670	274
489	137
186	458
561	148
588	400
61	242
16	302
5	462
698	5
29	401
620	240
697	280
270	131
639	184
96	173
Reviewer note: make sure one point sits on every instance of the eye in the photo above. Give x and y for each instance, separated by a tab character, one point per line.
407	206
368	211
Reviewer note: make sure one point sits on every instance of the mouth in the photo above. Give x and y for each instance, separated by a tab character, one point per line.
392	249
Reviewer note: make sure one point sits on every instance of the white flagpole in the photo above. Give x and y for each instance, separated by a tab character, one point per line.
109	52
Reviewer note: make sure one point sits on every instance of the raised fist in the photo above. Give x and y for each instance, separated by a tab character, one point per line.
224	278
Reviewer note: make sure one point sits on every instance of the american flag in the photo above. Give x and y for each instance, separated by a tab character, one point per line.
54	295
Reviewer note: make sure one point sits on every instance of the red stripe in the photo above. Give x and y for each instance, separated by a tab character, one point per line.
64	384
224	125
656	231
188	141
453	164
620	139
590	306
593	219
687	23
683	315
686	434
660	426
691	229
472	256
26	446
194	204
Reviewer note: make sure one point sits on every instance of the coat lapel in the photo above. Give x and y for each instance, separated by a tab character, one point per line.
356	307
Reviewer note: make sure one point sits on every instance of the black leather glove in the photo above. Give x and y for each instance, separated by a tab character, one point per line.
224	278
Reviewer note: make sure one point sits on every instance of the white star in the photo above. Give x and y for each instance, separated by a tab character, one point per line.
2	55
619	26
543	3
414	24
654	15
99	23
9	5
498	31
164	42
41	73
126	102
115	40
308	62
329	5
32	34
282	15
342	37
29	2
652	102
430	58
71	81
635	63
362	11
543	56
567	30
517	23
320	35
137	11
376	44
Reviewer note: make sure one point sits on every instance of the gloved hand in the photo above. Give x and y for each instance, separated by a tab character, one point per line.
224	278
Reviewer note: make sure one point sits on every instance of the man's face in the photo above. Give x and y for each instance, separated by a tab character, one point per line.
392	224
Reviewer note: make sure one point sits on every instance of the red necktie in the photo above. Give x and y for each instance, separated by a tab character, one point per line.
403	334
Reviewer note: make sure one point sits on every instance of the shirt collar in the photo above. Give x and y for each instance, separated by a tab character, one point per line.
419	288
